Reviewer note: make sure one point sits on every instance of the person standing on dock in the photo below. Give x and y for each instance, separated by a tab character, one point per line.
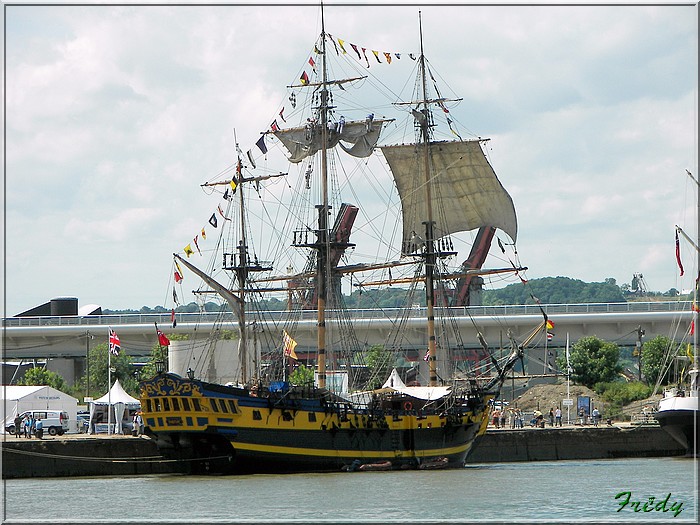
18	425
596	416
551	417
557	417
27	424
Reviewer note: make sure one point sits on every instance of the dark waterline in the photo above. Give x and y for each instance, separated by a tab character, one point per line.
560	491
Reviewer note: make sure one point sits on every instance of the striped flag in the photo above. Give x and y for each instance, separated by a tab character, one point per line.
114	343
289	346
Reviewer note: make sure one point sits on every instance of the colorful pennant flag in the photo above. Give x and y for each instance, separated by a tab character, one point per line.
188	250
550	324
213	221
261	144
304	79
249	153
289	346
274	126
204	234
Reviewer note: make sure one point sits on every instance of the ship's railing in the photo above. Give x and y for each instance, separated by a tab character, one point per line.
164	318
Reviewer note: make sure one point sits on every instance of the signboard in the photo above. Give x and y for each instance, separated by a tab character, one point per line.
568	402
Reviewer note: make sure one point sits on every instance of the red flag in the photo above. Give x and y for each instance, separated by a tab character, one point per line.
678	253
162	339
178	277
692	328
172	318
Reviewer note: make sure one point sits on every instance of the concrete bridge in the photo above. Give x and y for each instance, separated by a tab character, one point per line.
63	341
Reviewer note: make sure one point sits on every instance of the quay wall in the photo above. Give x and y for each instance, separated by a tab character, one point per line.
551	444
124	456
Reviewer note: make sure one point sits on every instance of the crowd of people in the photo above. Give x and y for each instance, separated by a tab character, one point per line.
514	418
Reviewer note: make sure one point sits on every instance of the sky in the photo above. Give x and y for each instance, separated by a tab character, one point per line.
115	114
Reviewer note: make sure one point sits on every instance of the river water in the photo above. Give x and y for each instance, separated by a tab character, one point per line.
560	491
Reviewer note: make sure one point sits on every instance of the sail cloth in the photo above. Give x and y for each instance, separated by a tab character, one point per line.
302	142
466	194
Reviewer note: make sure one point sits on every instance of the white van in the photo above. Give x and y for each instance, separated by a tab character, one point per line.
53	421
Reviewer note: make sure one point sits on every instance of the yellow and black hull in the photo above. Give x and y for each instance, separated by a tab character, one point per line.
212	428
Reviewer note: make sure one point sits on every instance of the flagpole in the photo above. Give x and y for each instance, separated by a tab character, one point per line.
109	387
568	376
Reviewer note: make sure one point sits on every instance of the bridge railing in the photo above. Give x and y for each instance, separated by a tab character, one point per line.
491	311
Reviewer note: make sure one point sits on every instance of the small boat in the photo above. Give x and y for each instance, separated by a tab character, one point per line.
382	465
434	464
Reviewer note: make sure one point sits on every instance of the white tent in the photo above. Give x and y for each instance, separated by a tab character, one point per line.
18	399
120	401
429	393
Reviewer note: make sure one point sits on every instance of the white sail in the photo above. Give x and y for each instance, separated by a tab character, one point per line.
302	142
464	187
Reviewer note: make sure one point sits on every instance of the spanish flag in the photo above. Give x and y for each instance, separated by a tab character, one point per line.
289	346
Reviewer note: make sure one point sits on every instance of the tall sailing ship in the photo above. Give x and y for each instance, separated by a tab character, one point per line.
359	409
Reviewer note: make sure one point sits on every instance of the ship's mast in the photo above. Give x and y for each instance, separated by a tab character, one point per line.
322	270
430	256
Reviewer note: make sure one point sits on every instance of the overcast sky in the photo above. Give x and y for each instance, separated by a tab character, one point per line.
115	115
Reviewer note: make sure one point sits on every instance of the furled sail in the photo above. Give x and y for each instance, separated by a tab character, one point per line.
462	180
302	142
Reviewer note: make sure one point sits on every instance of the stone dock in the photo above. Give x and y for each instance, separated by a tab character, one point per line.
101	455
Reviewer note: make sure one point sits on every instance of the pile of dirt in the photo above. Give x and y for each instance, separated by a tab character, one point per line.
545	396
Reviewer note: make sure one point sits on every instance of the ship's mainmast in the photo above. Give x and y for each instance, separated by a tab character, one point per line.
323	247
430	255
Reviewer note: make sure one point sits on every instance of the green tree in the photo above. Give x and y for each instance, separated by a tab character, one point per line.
42	377
593	361
99	360
379	361
653	358
302	375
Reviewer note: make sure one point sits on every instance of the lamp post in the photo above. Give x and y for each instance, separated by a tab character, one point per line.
87	361
160	366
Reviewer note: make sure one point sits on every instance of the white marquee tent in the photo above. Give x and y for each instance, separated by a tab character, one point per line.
18	399
121	403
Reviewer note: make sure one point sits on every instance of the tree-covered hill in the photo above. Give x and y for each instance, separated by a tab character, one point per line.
556	290
549	290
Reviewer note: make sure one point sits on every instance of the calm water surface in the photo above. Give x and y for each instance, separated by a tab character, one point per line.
561	491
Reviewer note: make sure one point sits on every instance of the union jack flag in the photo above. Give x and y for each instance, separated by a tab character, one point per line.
114	343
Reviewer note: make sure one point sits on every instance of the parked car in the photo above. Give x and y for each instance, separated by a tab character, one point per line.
83	423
